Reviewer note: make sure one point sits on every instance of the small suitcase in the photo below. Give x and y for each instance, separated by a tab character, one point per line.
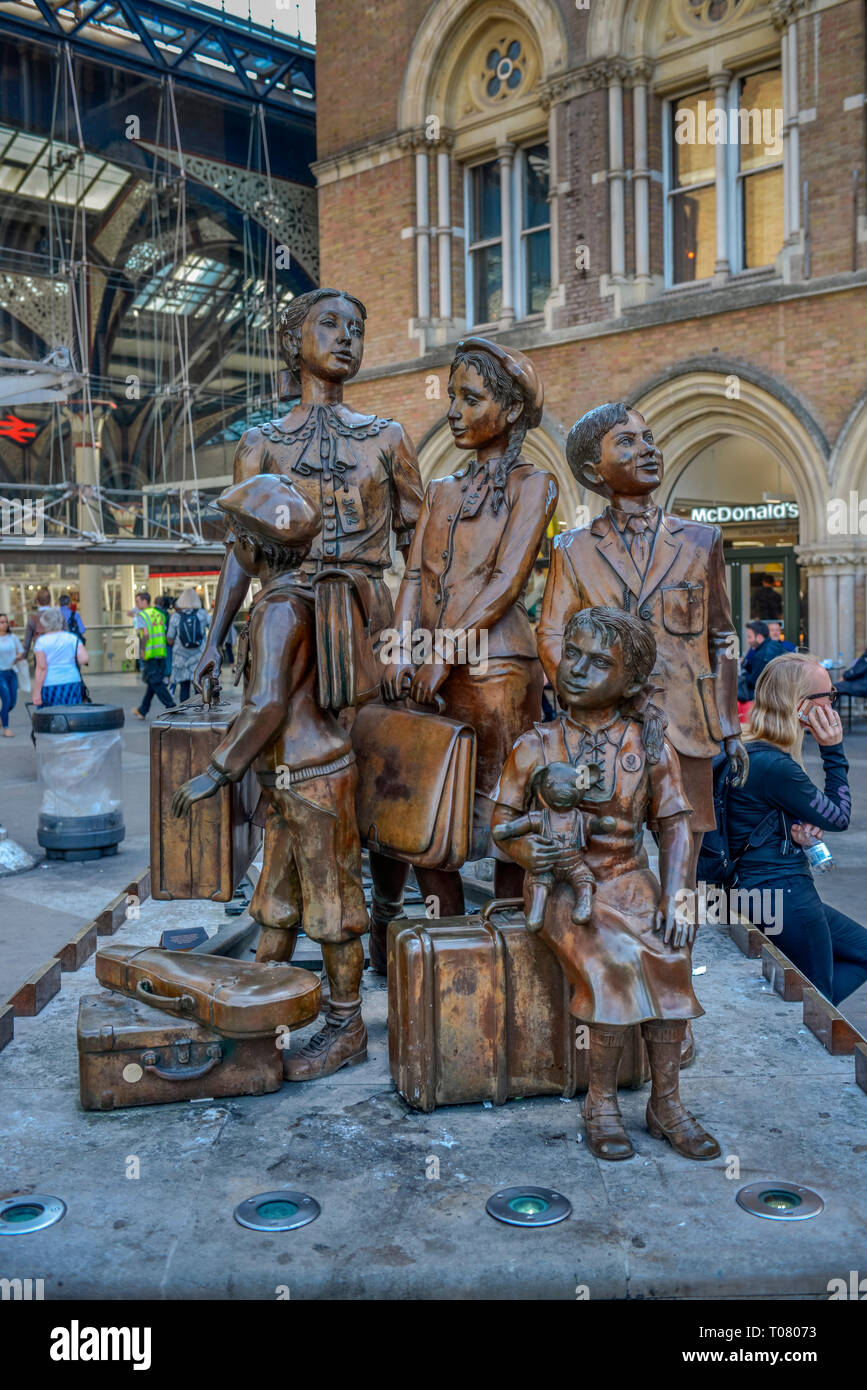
480	1011
132	1054
239	999
205	853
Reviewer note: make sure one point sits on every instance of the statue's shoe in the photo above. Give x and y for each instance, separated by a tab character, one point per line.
685	1135
606	1137
334	1046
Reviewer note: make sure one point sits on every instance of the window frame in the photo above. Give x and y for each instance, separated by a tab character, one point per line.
520	233
735	177
669	106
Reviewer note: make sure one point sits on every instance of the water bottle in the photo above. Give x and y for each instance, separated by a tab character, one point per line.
819	856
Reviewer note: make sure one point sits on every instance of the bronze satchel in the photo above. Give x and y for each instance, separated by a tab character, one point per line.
416	782
346	668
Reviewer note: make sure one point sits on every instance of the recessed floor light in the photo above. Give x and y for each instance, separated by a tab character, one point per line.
780	1201
21	1215
528	1206
277	1211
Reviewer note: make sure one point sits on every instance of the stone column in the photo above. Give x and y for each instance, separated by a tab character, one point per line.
616	172
422	236
554	195
87	449
720	82
791	116
505	156
641	174
787	111
846	611
444	231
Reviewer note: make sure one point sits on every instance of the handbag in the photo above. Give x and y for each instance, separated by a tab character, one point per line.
416	783
22	671
346	668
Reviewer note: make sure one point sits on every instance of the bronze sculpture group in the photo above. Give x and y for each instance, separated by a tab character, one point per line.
635	619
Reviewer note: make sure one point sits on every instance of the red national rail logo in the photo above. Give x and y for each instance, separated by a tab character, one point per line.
19	431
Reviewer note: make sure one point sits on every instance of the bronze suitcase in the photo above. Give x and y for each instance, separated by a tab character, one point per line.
132	1054
479	1010
239	999
205	853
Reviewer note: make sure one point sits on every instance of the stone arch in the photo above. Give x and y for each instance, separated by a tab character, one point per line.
644	28
691	410
447	29
544	447
848	463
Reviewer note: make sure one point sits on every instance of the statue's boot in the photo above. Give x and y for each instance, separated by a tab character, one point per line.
687	1047
606	1137
667	1117
341	1043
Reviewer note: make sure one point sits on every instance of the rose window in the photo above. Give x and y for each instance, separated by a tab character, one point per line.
505	69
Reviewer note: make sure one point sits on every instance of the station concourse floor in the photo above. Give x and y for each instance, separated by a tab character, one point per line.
395	1224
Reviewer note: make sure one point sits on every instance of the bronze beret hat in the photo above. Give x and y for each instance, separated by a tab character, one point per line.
519	368
271	507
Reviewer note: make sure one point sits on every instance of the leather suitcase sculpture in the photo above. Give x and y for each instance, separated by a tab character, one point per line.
132	1054
480	1011
416	780
206	853
236	999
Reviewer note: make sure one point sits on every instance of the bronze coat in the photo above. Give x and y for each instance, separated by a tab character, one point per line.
467	567
683	597
362	473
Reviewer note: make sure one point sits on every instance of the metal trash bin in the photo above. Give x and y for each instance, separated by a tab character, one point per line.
78	759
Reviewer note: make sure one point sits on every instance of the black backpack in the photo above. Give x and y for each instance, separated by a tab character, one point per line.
188	628
717	865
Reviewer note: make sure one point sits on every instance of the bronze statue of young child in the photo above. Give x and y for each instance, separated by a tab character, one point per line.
554	793
630	963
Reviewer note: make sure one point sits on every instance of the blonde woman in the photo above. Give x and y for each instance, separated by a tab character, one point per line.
188	627
779	812
59	656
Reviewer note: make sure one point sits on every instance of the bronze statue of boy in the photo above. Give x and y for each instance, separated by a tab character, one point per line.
311	870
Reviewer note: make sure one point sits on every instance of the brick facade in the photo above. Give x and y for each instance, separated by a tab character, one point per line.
800	337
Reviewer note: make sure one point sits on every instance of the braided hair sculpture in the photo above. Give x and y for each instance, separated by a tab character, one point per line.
506	393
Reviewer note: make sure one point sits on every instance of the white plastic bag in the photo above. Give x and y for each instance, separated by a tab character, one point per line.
22	670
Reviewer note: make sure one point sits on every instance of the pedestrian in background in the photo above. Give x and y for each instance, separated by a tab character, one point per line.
185	639
71	616
780	812
11	651
151	624
34	626
59	657
166	603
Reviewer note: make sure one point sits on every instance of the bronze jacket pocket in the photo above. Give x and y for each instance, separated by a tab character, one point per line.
683	608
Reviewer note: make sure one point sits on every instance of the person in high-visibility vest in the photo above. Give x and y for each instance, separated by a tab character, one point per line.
151	624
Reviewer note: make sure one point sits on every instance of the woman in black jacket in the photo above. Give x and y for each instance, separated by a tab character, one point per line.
793	694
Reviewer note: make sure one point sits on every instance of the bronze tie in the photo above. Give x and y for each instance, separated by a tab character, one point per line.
640	542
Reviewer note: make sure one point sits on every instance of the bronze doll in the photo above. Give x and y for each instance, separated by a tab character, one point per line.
311	870
631	962
472	555
554	792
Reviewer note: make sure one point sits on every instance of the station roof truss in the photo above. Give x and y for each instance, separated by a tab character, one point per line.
196	45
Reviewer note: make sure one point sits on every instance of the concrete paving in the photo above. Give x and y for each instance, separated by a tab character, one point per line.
403	1194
